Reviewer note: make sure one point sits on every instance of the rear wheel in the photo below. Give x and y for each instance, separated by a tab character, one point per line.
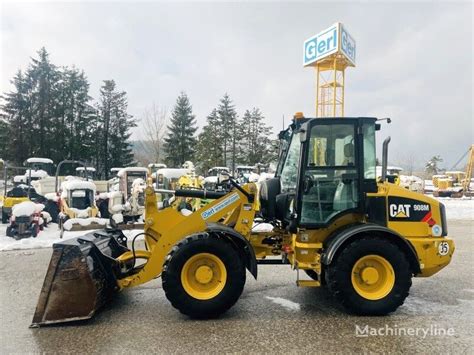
370	276
203	276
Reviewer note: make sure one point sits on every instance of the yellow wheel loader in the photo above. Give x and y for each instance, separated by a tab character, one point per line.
363	239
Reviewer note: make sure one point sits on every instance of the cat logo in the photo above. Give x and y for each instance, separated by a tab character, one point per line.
409	210
400	211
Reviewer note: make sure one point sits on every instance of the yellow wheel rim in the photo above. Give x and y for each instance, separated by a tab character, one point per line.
373	277
203	276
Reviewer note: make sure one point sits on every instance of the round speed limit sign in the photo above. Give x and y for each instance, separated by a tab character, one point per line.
443	248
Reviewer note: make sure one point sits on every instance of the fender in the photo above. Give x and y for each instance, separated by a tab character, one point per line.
335	241
242	244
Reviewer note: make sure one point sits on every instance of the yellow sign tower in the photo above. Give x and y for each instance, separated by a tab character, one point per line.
330	52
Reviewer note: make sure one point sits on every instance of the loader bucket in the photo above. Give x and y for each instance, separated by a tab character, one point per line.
81	278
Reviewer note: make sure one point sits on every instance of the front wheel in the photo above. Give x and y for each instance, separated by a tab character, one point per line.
203	276
370	276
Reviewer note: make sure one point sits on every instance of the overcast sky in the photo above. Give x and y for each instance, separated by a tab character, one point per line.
414	61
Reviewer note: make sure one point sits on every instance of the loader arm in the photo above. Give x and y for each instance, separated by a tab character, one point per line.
164	228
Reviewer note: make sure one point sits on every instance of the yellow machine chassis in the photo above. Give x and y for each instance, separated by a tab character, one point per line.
303	249
161	237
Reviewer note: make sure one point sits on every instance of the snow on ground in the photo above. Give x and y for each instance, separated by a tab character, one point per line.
46	238
456	209
287	304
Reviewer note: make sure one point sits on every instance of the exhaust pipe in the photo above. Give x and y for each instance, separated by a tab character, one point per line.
385	158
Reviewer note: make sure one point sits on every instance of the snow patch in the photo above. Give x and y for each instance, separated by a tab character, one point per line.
27	208
89	168
185	212
252	177
52	196
135	169
46	238
287	304
262	227
36	173
78	185
458	208
85	222
46	216
117	217
39	160
19	178
103	196
81	213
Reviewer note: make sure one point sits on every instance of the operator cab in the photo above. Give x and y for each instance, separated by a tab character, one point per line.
326	167
40	164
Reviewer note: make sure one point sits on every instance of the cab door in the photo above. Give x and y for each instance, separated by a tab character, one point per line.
329	181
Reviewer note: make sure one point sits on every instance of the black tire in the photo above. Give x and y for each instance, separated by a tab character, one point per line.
268	192
4	217
9	232
181	253
53	210
339	273
103	206
34	230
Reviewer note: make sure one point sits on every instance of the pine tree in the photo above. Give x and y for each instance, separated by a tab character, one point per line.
113	130
49	114
4	129
209	152
228	130
255	145
16	115
180	142
73	116
43	78
431	166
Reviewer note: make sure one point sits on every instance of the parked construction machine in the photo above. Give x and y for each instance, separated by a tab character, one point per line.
468	182
456	183
215	176
361	237
27	220
78	209
127	195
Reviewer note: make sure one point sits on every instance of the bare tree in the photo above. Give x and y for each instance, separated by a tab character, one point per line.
153	124
410	162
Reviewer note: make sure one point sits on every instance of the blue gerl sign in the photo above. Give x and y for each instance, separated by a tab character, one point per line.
348	45
332	40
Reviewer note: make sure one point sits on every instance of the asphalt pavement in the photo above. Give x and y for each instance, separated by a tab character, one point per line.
272	315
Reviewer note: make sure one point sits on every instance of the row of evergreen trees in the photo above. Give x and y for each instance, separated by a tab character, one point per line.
49	113
225	140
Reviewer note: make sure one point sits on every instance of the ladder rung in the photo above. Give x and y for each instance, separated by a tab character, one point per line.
308	283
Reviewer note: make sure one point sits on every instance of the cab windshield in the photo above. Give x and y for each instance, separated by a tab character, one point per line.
285	139
289	170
